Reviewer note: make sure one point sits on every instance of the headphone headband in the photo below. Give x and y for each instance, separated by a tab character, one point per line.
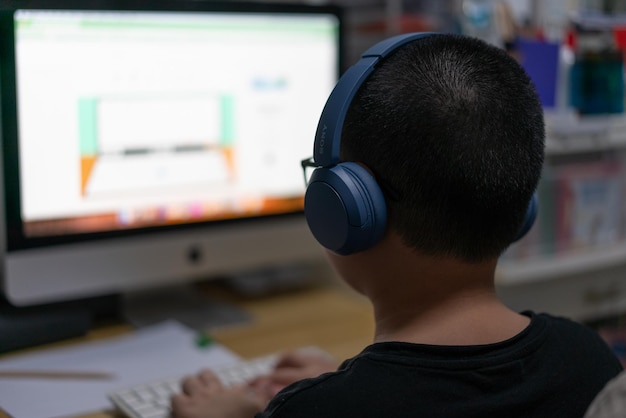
326	149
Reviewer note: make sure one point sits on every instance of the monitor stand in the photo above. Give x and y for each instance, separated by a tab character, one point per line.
188	303
184	303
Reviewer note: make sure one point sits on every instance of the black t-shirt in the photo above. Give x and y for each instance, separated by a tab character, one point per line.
553	368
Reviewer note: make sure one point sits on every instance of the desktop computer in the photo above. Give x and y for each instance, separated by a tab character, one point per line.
149	144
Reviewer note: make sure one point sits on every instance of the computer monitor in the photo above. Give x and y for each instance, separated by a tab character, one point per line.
154	142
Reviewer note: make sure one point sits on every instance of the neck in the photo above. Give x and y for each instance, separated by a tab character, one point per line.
466	318
436	301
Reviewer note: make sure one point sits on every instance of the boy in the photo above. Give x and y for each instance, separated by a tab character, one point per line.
452	131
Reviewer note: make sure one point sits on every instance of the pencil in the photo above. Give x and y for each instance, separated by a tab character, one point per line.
55	374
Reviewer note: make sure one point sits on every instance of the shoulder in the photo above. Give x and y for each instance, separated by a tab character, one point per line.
575	343
564	329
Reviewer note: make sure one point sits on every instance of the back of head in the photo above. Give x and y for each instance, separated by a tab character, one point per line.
453	130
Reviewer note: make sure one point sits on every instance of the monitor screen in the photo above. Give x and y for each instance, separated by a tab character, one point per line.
162	131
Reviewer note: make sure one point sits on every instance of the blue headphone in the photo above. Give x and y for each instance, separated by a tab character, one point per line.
344	206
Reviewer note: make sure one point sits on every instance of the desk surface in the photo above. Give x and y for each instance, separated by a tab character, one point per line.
328	316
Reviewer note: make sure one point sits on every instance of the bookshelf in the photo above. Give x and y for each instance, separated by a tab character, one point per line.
567	272
587	261
568	134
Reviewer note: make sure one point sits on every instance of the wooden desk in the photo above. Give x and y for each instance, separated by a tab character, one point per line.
328	316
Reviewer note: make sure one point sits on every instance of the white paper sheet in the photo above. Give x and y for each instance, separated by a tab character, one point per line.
157	351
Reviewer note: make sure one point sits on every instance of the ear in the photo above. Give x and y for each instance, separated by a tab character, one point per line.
345	208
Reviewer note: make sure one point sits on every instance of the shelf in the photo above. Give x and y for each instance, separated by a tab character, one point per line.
532	270
569	134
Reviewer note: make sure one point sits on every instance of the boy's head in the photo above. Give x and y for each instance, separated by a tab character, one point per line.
452	129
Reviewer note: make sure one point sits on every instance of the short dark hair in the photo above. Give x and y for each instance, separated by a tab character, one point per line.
453	129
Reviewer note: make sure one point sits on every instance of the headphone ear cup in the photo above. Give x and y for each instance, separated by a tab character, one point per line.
529	219
345	208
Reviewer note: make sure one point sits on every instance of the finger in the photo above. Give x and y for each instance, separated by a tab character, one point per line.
259	381
191	385
271	390
291	359
179	399
259	395
264	386
179	403
208	378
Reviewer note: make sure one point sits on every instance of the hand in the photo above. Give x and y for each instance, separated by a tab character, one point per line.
292	367
204	396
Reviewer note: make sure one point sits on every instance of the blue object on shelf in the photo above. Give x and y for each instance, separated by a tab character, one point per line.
540	59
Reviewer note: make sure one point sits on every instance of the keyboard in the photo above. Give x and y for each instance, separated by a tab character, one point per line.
152	399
